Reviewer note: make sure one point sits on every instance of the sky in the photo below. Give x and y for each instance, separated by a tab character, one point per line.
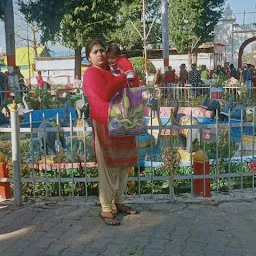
238	6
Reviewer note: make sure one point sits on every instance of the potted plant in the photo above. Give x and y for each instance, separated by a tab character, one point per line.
217	90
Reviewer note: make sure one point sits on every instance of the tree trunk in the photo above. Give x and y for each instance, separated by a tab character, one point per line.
34	44
78	61
189	60
194	56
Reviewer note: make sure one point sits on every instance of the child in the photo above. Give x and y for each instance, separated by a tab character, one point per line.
40	81
116	61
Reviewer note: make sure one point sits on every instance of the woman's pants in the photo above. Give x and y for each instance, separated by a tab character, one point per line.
112	181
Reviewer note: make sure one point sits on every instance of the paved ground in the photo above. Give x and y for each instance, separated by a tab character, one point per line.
171	229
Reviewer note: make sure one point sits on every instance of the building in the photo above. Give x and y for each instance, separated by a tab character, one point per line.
233	37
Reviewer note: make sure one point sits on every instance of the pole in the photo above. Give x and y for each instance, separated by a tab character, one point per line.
165	34
9	35
145	40
29	71
232	44
15	137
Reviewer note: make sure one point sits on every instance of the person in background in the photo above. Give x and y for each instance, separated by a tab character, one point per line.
168	80
175	76
157	82
77	84
22	85
117	61
3	86
247	77
227	70
194	78
253	76
204	73
115	155
169	77
183	78
40	81
239	75
233	71
183	75
219	71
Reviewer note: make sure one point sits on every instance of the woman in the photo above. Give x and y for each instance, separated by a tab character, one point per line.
233	71
183	79
115	155
204	73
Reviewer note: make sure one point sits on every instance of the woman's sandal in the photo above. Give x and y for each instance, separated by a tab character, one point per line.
126	209
110	220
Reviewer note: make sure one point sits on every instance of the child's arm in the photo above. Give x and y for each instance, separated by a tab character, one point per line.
128	69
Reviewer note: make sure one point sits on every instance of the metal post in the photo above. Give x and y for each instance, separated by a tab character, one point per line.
165	34
253	150
217	153
191	159
232	44
229	151
145	40
9	35
15	137
241	154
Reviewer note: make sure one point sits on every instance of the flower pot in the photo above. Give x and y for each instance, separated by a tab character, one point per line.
217	93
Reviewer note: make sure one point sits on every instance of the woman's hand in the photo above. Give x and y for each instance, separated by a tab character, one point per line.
120	69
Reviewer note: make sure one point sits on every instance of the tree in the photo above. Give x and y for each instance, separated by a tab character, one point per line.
130	24
73	22
2	5
250	56
192	22
25	33
138	64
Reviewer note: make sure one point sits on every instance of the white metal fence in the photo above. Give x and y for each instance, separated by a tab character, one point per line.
230	146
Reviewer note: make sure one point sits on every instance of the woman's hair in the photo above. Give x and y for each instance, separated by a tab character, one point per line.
157	77
90	45
114	50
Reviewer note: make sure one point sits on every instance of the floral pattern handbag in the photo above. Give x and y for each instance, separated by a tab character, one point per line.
126	113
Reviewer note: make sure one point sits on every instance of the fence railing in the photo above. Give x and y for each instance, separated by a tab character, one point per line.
54	97
34	173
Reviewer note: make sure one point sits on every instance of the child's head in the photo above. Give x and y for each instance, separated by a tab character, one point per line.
113	53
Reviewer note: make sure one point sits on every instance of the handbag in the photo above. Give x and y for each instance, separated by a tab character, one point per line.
126	113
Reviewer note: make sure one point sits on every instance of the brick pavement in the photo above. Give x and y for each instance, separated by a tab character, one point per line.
167	229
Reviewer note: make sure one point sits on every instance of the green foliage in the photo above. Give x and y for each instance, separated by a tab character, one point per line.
46	99
53	188
2	5
73	22
195	102
47	15
139	66
220	80
226	149
243	97
248	57
192	22
130	16
5	147
171	160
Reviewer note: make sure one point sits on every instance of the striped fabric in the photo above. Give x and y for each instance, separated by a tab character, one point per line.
117	151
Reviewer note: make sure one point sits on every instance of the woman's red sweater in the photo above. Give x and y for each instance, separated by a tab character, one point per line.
100	86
